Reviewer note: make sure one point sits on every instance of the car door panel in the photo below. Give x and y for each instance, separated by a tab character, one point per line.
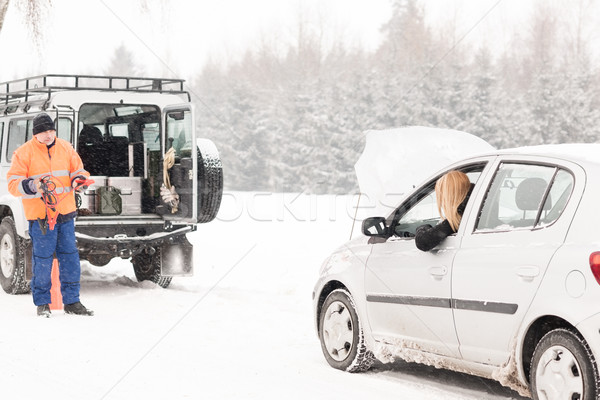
486	273
409	291
498	272
408	295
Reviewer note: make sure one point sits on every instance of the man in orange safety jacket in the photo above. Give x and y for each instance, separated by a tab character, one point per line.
45	172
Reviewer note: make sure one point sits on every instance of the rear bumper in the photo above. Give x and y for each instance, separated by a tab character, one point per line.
125	246
153	238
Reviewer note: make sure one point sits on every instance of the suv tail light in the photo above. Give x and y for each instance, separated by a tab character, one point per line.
595	265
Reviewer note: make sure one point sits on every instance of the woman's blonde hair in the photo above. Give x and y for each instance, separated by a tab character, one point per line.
451	190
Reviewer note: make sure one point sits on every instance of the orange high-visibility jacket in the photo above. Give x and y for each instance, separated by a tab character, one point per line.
34	160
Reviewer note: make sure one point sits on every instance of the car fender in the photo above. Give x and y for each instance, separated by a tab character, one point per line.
345	267
16	209
568	292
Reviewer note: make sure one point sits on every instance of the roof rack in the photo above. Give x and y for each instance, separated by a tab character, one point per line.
23	89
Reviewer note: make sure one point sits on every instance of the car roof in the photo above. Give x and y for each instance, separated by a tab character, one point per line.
76	98
576	152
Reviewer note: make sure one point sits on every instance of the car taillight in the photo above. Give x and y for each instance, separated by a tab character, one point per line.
595	265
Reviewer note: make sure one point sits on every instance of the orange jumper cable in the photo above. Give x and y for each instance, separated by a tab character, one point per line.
50	199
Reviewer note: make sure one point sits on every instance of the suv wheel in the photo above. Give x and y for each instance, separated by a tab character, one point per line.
563	367
12	261
147	268
341	334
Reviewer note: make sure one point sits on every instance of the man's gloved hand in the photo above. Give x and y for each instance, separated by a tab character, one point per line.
81	183
77	185
35	185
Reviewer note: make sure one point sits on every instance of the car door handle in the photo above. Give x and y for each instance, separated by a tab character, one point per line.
438	272
528	272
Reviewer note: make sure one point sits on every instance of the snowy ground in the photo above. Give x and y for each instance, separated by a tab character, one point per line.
241	328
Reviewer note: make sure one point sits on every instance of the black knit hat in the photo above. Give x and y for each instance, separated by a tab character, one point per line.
42	123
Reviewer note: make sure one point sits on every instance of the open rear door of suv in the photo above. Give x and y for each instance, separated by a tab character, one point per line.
194	171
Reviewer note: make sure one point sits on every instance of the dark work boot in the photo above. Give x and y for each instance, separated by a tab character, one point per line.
43	310
77	309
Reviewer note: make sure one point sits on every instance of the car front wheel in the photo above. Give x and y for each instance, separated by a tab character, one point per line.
563	367
341	334
12	261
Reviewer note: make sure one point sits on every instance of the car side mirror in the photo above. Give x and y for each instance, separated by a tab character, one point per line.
375	226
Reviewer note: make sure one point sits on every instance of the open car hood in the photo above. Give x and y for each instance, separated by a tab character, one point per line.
394	161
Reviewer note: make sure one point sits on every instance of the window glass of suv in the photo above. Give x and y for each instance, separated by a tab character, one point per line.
64	129
179	132
19	131
517	193
119	130
151	135
1	136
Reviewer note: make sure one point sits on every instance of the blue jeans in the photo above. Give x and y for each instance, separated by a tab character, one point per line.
59	241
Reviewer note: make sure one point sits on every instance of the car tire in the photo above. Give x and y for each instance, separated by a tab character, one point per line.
341	334
147	268
12	261
210	181
563	367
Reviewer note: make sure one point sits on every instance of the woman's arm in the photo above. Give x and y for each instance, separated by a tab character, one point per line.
427	237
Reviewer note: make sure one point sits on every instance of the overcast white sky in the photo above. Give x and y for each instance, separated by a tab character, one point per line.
183	34
176	37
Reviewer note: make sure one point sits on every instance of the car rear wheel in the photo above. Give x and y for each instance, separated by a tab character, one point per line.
12	263
147	268
341	334
563	367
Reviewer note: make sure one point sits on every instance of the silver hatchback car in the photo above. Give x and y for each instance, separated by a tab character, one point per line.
514	295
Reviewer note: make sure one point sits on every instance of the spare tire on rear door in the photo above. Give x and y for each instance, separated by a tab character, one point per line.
210	180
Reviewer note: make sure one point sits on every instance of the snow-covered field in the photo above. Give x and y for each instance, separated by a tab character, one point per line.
240	328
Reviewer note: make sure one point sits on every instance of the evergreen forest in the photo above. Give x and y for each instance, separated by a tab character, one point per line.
293	120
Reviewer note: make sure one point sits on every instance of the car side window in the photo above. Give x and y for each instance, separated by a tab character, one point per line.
422	208
524	196
19	131
64	129
1	136
557	199
423	212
